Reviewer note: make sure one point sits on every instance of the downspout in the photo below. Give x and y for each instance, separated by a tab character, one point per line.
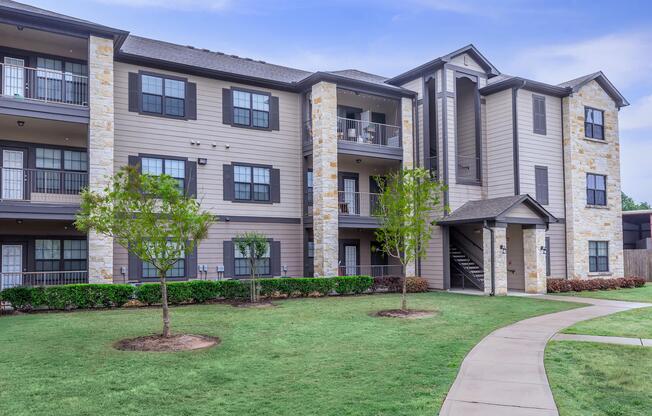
493	259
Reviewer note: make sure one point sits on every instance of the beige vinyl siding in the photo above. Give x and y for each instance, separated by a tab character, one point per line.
210	251
557	234
541	150
465	61
415	85
135	133
500	145
432	266
522	211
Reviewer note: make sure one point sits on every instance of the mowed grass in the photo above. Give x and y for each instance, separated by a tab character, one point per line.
636	323
304	357
638	294
600	379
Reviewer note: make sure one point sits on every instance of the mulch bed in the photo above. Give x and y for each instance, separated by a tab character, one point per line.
409	314
157	343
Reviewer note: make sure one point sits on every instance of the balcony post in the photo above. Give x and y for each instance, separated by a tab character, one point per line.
100	147
325	195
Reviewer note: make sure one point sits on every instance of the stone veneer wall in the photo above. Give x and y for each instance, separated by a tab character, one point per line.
582	156
500	260
534	259
100	147
407	142
324	161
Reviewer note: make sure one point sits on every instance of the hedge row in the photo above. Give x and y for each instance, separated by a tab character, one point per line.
85	296
578	285
395	284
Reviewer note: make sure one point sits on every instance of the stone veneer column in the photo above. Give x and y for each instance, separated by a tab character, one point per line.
534	260
500	260
407	142
100	147
324	164
581	156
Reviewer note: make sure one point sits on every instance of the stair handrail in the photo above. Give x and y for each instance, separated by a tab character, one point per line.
468	275
462	245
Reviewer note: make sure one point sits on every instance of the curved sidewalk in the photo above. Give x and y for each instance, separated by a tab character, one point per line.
504	373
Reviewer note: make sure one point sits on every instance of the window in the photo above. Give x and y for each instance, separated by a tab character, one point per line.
309	186
243	266
250	109
251	183
593	123
48	182
49	163
311	249
74	255
596	189
177	270
541	184
598	256
49	256
77	162
159	166
163	95
49	79
539	114
548	272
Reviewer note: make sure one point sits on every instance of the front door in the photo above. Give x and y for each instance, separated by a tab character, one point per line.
350	260
12	174
12	265
13	79
349	197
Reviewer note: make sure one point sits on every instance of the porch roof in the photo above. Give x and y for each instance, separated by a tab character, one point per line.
499	209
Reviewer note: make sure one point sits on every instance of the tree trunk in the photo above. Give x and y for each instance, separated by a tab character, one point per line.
404	295
166	310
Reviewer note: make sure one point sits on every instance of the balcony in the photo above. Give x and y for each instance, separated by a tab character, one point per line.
35	279
43	93
358	209
373	270
467	169
41	185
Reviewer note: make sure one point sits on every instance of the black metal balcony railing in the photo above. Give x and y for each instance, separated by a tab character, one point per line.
33	279
45	85
365	132
468	168
41	185
371	270
361	204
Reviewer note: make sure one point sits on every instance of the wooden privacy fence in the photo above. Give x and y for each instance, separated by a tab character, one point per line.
639	263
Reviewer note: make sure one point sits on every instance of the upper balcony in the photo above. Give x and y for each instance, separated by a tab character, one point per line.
367	125
43	75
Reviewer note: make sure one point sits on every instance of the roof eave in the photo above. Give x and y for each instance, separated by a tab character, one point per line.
345	81
518	82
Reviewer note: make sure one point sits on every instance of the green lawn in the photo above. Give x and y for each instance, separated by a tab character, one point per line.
639	294
636	323
599	379
304	357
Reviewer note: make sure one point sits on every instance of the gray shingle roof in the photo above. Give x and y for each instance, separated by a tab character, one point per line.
360	76
578	81
490	209
203	58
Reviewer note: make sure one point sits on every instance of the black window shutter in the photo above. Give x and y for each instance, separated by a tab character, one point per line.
133	160
539	114
134	268
541	184
191	101
275	182
227	183
134	92
227	106
191	264
273	114
191	179
229	259
275	251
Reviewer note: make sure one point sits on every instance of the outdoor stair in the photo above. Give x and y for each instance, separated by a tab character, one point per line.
467	268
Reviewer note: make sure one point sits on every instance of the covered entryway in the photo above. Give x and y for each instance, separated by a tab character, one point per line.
498	244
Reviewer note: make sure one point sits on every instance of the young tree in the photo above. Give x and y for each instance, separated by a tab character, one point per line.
407	201
150	217
252	245
629	204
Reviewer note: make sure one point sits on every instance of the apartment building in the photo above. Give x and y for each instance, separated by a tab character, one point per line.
532	169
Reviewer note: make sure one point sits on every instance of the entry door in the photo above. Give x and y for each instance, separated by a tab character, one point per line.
350	195
13	80
12	174
12	265
351	260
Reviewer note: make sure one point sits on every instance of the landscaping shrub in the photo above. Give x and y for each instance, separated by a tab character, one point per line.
302	286
352	285
416	284
578	285
178	293
234	289
79	296
388	283
204	290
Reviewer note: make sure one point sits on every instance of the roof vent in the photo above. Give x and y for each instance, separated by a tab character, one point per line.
220	53
235	56
190	47
262	62
205	50
248	59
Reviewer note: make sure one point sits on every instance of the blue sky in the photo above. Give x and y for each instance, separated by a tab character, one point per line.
551	41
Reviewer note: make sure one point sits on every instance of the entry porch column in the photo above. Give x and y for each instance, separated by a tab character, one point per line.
534	258
495	239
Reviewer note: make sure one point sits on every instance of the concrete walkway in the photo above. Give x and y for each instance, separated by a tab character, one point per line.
640	342
504	373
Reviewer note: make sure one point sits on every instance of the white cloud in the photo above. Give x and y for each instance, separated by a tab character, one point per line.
636	170
638	115
213	5
623	57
